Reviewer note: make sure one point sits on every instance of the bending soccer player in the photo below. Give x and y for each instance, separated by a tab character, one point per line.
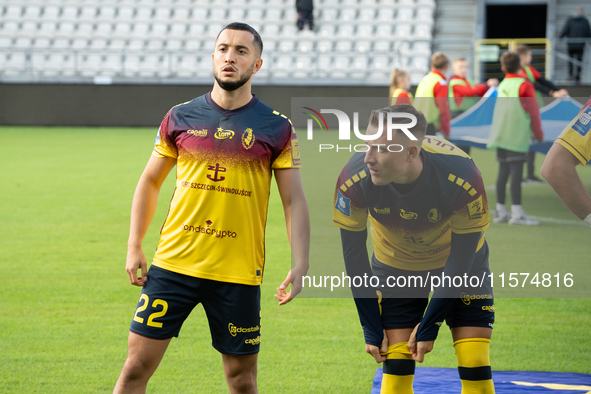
572	147
226	145
427	211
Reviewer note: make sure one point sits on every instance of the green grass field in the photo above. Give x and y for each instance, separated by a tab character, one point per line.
65	198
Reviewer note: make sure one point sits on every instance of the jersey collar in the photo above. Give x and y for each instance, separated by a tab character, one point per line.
227	112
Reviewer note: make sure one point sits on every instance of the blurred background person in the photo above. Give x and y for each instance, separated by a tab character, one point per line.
577	26
399	87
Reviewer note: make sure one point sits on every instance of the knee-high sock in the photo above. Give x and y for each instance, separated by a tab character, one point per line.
474	365
399	370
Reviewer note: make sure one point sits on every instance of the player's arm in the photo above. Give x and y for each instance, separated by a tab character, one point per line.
529	103
143	207
459	262
357	265
297	220
559	169
441	93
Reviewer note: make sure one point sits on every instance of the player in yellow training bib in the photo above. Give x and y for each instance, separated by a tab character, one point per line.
226	146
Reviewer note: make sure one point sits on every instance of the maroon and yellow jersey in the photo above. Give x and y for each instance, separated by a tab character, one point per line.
215	228
412	231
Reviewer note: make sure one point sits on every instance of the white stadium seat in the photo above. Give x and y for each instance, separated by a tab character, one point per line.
360	39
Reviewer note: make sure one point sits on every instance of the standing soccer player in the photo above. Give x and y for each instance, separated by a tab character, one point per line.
427	210
226	146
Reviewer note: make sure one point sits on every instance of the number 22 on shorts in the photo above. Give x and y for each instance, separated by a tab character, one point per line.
154	315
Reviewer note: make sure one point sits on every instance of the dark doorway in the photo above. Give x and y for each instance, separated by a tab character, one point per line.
516	21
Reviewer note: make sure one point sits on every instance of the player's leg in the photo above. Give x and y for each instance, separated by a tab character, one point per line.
402	308
143	357
241	372
471	320
165	302
234	314
472	346
399	367
502	214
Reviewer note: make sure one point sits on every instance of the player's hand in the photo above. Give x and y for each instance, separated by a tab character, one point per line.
136	260
379	354
419	349
492	82
559	93
296	287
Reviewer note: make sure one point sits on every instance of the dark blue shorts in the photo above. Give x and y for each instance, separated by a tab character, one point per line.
404	307
233	310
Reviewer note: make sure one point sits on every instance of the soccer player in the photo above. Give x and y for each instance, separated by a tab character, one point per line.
431	96
427	210
226	146
572	147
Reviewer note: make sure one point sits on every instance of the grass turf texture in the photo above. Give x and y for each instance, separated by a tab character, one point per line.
67	304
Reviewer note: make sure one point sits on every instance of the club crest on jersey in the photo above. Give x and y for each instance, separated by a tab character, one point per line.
408	215
198	133
583	124
247	138
343	204
476	209
434	216
222	134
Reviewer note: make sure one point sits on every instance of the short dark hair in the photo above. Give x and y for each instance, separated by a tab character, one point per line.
257	41
511	62
419	130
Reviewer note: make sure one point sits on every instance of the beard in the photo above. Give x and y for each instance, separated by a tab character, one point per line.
230	86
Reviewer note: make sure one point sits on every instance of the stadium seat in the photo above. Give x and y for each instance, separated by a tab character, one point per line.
404	14
13	12
344	44
340	67
359	67
324	45
384	30
423	31
329	15
367	14
88	13
124	13
348	14
382	44
143	14
362	45
402	30
51	12
302	67
385	14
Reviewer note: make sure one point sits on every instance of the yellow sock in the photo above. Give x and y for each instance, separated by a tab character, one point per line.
399	370
474	365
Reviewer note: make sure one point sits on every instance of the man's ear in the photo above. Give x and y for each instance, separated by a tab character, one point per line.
257	65
413	152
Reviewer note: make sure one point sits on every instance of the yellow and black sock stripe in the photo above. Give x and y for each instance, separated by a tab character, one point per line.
399	370
474	365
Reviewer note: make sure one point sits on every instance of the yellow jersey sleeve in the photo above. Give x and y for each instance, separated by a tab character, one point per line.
350	211
471	213
289	157
576	137
165	146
